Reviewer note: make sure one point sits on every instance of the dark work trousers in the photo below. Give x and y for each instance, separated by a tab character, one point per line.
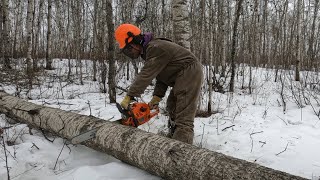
182	102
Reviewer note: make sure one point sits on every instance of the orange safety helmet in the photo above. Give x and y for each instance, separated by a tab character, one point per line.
124	34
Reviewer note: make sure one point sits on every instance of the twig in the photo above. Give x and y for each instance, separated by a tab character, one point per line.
45	136
89	108
204	125
227	127
283	120
34	145
217	127
252	138
59	154
283	150
263	143
6	156
6	127
25	172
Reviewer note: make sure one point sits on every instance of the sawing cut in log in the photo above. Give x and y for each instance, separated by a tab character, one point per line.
167	158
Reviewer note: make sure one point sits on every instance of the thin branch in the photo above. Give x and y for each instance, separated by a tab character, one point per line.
252	138
227	127
283	120
6	157
283	150
59	154
204	125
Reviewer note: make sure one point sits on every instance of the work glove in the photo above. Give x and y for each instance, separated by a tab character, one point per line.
154	102
126	101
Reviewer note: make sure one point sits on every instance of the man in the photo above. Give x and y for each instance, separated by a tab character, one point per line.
171	65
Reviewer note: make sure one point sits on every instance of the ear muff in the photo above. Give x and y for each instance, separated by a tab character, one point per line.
138	39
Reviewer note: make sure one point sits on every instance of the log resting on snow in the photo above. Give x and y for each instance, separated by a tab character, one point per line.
161	156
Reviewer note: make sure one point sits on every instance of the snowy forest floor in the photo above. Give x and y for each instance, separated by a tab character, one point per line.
277	126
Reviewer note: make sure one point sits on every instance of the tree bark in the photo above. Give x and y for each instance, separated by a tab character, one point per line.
111	59
5	34
298	58
181	25
38	30
48	52
234	42
29	35
1	29
167	158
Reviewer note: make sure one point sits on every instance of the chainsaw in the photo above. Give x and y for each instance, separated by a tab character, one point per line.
137	114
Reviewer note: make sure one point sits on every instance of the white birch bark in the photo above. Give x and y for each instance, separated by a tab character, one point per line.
5	34
181	24
29	33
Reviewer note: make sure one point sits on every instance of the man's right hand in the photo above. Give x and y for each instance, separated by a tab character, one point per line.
154	102
126	101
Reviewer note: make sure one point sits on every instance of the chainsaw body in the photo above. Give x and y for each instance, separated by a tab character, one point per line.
137	114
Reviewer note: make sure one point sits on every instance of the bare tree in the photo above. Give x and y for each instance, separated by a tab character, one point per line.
1	29
112	68
94	39
234	42
311	48
37	34
61	37
29	34
299	43
5	33
102	46
48	52
210	64
221	36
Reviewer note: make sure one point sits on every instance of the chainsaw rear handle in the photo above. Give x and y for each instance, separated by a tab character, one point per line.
154	112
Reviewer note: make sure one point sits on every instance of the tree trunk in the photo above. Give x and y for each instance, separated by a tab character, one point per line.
111	59
59	9
94	40
101	37
167	158
311	52
299	49
1	30
234	42
210	76
181	26
5	34
29	35
48	52
37	45
221	36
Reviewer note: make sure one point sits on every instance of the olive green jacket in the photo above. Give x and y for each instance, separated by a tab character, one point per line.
164	60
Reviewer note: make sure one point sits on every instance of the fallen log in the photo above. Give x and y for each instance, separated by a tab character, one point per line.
167	158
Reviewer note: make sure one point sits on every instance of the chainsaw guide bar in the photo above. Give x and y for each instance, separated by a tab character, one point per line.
89	134
136	115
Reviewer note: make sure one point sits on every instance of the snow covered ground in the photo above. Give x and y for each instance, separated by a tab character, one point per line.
254	127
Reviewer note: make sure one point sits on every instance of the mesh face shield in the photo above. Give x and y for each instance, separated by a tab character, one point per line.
128	51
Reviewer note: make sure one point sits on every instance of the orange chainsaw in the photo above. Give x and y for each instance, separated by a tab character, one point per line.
137	114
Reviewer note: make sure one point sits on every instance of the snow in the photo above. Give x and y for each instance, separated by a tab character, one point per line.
253	127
